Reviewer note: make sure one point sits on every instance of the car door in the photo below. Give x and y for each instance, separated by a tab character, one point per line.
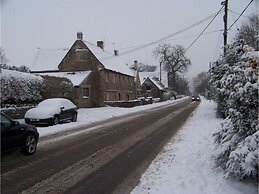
67	113
62	114
11	134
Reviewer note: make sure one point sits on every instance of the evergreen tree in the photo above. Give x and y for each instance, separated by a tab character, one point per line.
236	78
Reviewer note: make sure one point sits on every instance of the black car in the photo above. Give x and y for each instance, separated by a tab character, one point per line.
51	112
15	135
196	98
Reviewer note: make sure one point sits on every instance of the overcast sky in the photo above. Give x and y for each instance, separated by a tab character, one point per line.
50	24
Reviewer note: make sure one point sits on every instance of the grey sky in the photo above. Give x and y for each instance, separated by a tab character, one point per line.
29	24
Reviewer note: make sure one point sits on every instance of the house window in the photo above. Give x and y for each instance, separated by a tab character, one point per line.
86	93
148	87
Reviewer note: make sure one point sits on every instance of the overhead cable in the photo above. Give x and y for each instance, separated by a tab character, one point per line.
171	35
204	29
240	14
230	10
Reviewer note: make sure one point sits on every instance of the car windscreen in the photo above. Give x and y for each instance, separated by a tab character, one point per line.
49	103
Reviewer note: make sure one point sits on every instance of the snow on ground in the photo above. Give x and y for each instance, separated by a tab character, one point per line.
186	166
88	116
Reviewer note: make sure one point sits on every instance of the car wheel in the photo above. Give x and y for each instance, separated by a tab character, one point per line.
55	120
30	145
74	117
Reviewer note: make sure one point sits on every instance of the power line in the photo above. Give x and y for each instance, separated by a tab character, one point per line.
204	29
192	35
176	38
234	19
241	14
171	35
237	13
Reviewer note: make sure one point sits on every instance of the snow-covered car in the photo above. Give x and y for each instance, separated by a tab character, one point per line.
52	111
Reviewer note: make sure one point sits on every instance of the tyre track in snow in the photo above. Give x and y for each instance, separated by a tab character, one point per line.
80	163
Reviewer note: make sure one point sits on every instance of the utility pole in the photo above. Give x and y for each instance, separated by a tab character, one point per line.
160	69
225	18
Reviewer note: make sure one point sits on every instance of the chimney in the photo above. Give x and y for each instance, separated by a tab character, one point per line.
79	35
100	44
135	65
116	52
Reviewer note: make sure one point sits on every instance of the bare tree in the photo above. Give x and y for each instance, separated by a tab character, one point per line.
182	85
146	67
201	83
173	60
248	33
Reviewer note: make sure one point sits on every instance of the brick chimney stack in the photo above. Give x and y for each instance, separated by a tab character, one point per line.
79	35
100	44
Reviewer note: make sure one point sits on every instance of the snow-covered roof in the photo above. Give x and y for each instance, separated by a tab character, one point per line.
20	75
157	84
144	75
109	60
48	59
75	77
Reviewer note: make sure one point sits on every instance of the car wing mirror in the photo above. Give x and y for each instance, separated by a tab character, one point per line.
15	123
62	108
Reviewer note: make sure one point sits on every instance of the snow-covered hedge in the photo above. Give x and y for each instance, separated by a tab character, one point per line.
236	80
57	87
18	87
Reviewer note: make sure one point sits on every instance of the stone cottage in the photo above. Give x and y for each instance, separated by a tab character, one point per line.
153	84
97	75
152	87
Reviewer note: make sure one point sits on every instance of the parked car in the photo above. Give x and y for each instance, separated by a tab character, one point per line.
52	111
16	135
196	98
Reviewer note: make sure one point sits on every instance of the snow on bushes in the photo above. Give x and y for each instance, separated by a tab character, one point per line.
237	84
57	87
18	87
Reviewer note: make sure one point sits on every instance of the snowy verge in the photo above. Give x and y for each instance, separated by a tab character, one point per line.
88	116
186	165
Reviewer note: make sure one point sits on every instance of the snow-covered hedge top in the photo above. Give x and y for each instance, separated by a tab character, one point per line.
19	87
7	74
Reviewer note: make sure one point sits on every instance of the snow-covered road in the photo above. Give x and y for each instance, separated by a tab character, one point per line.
88	116
186	166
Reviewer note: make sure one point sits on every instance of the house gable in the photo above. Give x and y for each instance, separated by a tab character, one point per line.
151	87
156	74
79	58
